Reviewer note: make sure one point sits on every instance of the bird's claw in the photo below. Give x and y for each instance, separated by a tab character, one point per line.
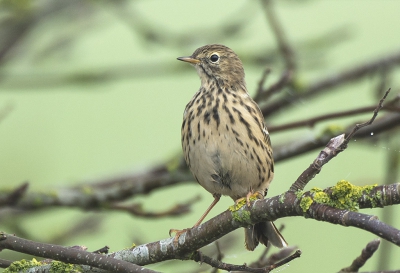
178	233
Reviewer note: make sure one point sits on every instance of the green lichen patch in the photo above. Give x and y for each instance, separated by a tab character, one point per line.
20	266
343	196
241	202
305	203
321	197
238	205
375	199
242	216
282	198
58	267
299	194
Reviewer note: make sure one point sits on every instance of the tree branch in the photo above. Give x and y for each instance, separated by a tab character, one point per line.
366	253
332	149
68	254
286	51
324	85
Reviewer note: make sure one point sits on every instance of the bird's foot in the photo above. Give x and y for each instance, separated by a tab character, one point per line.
249	197
178	233
240	202
253	197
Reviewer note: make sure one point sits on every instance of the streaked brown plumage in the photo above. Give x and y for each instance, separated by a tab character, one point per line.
224	138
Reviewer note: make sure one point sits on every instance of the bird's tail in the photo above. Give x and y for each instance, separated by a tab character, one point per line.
262	233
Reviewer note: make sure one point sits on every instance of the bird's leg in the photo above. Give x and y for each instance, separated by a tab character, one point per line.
179	232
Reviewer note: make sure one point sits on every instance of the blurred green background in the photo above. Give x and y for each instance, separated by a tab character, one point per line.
92	89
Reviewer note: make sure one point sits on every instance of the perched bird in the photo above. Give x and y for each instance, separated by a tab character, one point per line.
224	138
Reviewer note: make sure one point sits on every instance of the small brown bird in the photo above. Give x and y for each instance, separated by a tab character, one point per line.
224	138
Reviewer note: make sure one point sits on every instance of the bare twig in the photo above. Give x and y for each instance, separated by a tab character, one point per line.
15	195
366	253
87	225
300	146
324	156
200	257
364	124
282	254
332	149
340	114
137	209
103	250
261	82
158	34
285	49
5	263
288	259
323	85
98	194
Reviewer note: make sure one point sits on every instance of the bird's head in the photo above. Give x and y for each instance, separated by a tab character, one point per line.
217	62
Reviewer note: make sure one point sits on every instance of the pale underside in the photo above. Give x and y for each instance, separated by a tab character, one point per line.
227	155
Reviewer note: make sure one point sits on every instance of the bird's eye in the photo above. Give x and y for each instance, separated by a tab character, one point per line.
214	58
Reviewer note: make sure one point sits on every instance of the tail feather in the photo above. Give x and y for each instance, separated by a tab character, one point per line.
262	233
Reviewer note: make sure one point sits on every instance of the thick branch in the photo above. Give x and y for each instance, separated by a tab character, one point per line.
67	254
98	194
270	209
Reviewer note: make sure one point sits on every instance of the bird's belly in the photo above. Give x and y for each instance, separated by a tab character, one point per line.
224	166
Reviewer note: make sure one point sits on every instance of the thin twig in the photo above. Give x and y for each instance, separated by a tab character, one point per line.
200	257
15	195
103	250
299	146
326	84
332	149
5	263
366	253
261	82
220	256
285	261
176	210
364	124
340	114
285	49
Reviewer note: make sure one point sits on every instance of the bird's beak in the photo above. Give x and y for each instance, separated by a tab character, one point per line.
189	59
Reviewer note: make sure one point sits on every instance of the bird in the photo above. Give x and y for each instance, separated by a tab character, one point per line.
225	141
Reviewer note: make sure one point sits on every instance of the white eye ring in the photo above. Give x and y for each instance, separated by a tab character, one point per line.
214	58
